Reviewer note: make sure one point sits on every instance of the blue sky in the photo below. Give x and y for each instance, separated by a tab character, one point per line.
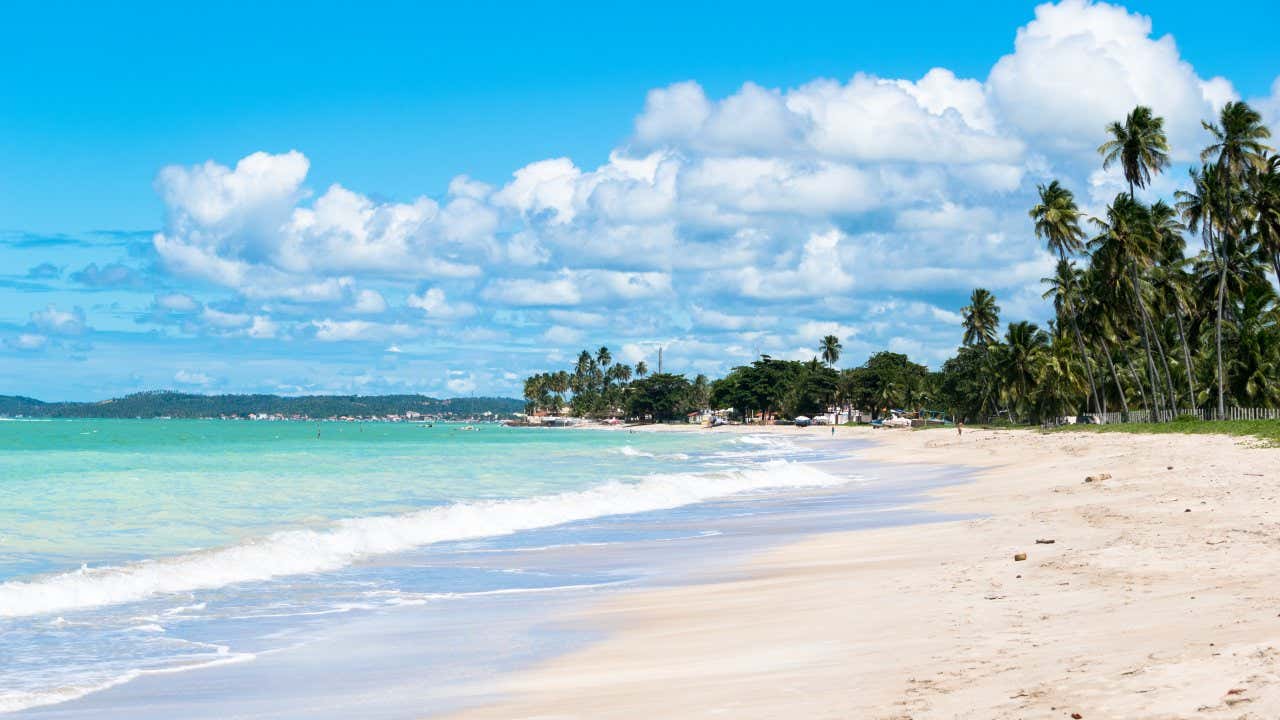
714	179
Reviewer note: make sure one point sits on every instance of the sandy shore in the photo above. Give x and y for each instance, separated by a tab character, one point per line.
1159	598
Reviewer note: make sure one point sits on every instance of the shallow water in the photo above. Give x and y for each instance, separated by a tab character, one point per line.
255	570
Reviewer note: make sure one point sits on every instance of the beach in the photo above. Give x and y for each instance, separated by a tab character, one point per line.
1148	592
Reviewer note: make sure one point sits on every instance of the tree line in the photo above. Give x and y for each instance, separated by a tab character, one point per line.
1138	321
187	405
768	388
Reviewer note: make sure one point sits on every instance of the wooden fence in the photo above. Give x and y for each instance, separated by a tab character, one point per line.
1232	413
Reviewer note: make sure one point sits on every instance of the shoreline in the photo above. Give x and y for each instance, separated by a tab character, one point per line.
1153	600
684	544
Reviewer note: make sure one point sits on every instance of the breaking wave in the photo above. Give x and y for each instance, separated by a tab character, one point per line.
303	551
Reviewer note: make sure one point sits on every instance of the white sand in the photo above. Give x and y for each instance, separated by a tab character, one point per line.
1138	610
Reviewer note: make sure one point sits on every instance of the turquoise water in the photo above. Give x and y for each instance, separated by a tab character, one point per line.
138	547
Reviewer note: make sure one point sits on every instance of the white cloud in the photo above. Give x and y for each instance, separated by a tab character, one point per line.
27	341
263	328
819	272
434	303
329	330
224	320
461	384
369	302
1080	65
561	290
561	335
1269	106
189	377
176	302
53	321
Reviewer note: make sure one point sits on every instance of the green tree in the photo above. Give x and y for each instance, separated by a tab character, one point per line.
660	397
1057	222
830	349
1139	145
981	318
1018	361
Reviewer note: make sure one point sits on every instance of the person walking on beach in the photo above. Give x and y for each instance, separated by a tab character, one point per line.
959	427
833	431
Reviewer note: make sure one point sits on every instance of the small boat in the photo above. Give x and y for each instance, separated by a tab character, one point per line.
471	428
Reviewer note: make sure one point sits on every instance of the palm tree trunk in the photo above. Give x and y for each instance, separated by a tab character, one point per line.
1075	326
1168	374
1222	286
1088	369
1146	341
1186	357
1106	350
1137	379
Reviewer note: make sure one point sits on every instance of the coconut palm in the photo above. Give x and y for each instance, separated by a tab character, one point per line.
1124	247
1059	380
1255	365
1057	222
1206	209
981	318
603	357
1018	363
1139	145
830	348
1264	197
641	369
1237	140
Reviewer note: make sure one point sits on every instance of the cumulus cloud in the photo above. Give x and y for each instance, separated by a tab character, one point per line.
435	305
369	302
1081	64
53	321
819	271
250	228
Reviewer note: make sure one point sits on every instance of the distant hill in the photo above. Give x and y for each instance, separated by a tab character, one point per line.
184	405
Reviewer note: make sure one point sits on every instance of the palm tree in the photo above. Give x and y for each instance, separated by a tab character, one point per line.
603	357
830	348
1139	145
1057	222
641	369
1264	196
620	373
1019	362
1256	365
1058	380
981	318
535	393
1237	140
1205	208
1125	246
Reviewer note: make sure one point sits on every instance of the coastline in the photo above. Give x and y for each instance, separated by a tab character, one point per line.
463	609
1154	599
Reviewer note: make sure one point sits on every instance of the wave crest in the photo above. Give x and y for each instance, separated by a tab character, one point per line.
303	551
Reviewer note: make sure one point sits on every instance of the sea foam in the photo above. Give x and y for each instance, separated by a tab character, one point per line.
302	551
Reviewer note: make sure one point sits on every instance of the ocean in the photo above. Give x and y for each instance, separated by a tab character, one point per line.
187	568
